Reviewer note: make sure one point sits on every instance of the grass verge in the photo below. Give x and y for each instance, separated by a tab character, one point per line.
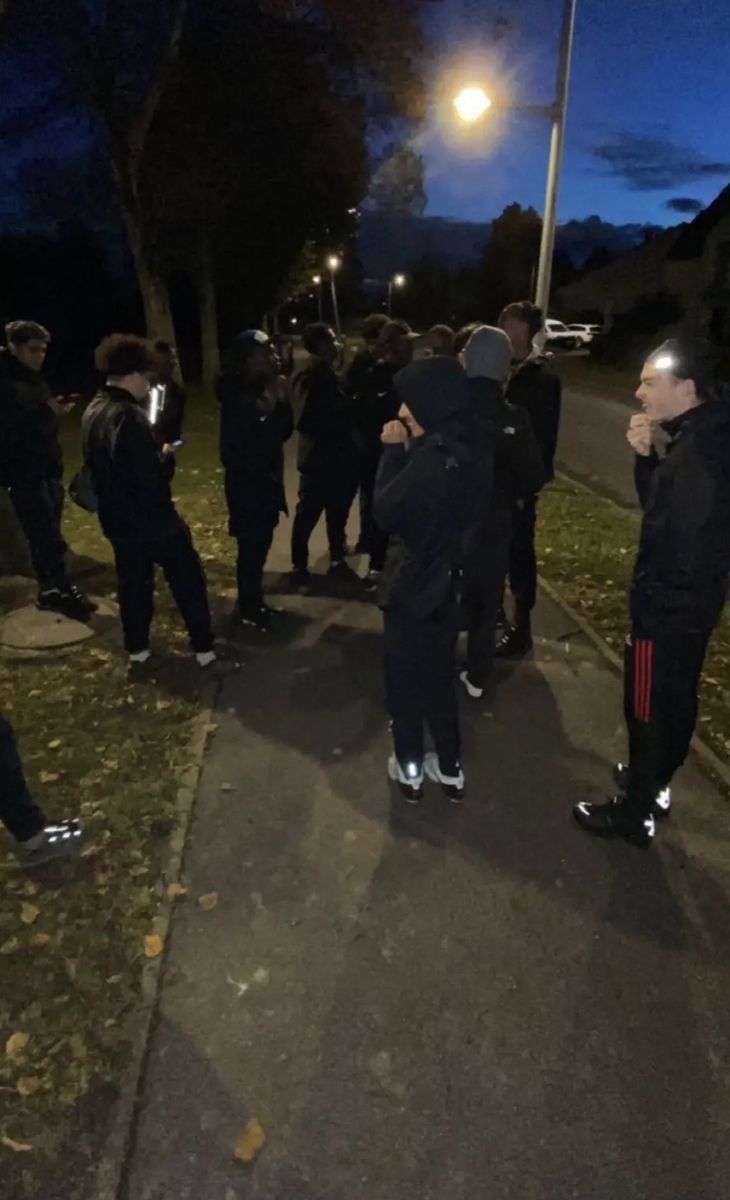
586	548
72	936
583	373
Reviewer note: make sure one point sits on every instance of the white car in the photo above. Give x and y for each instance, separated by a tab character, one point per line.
558	337
585	333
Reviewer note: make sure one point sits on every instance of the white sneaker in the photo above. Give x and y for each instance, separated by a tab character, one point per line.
472	690
453	785
410	780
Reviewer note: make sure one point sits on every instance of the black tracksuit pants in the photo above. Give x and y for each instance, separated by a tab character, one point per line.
19	814
174	552
329	489
483	592
254	545
374	541
523	561
661	682
39	508
420	685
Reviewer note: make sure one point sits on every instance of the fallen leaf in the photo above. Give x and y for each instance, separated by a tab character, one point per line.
55	744
153	945
163	704
35	693
10	946
227	787
18	1147
29	914
40	939
251	1142
30	888
49	777
208	901
78	1046
114	979
138	872
16	1044
27	1084
175	890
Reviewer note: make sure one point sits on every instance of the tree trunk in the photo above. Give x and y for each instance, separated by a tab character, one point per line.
155	294
209	343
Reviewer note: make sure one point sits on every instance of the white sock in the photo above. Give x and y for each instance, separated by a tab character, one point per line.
205	658
142	656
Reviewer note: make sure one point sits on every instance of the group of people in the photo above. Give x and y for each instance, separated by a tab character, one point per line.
448	451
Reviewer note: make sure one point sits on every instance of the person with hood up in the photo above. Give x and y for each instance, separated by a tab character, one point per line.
511	470
424	497
256	421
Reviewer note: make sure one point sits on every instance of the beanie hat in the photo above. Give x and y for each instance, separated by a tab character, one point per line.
488	354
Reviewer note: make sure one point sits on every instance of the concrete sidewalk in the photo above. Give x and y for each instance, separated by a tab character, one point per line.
436	1004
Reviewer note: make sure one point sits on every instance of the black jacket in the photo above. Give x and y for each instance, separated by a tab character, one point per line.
538	392
375	402
325	426
131	479
30	452
425	492
358	370
252	438
681	572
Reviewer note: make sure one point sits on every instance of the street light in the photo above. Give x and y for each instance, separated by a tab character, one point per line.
317	281
398	281
334	262
472	102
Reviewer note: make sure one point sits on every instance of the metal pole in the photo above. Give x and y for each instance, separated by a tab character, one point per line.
335	306
319	301
390	298
557	141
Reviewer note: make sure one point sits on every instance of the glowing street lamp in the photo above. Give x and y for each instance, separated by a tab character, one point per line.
472	103
398	281
334	262
317	281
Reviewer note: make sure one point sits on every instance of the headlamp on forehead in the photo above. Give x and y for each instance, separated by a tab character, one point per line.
665	362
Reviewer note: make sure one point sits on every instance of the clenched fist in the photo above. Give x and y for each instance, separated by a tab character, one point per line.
639	434
394	434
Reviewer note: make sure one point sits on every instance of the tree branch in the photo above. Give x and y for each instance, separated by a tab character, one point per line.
141	126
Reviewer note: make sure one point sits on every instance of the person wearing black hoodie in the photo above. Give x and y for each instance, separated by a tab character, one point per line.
31	465
537	391
680	584
131	479
510	469
256	421
424	497
327	459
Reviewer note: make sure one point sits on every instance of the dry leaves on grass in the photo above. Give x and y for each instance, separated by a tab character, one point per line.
16	1044
208	901
153	945
251	1142
17	1147
175	890
29	914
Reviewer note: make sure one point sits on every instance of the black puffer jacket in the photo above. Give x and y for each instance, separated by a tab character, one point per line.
681	573
518	470
29	448
252	437
536	390
325	426
131	479
425	493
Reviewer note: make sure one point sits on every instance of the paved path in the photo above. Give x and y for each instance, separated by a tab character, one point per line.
593	446
436	1004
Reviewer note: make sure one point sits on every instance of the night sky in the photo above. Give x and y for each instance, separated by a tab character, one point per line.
649	118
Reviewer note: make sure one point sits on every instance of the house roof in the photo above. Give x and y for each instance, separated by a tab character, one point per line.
691	241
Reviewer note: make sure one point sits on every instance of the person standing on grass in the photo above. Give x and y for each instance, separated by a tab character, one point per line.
376	404
327	459
37	841
682	445
510	468
256	421
31	465
424	497
536	390
132	483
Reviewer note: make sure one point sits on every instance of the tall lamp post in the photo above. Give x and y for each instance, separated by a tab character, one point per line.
317	281
398	281
472	103
334	263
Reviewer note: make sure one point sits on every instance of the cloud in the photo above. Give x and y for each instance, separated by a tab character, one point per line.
650	164
684	204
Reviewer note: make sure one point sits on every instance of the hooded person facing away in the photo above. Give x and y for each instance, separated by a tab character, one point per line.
424	498
510	469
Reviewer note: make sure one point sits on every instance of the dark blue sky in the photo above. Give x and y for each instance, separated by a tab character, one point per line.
649	117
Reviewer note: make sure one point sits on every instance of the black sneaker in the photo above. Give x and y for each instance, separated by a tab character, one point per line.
453	786
410	782
82	600
371	582
663	802
54	841
256	618
299	581
64	603
474	691
609	820
514	643
343	572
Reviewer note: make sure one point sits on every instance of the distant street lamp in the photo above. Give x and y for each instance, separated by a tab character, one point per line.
334	263
317	280
471	104
398	281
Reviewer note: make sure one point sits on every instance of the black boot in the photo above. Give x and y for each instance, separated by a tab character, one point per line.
610	820
515	642
65	602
